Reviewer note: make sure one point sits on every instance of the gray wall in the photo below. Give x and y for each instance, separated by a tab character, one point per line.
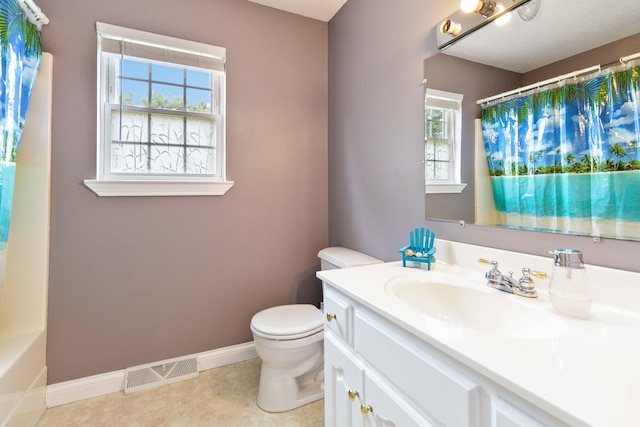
376	190
139	279
607	54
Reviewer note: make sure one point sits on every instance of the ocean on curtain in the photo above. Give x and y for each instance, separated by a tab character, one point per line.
21	52
565	158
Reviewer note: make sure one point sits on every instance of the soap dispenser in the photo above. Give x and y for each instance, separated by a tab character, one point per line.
569	290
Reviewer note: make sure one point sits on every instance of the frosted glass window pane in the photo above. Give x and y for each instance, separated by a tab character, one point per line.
437	161
166	159
167	129
126	157
201	132
133	128
201	160
442	151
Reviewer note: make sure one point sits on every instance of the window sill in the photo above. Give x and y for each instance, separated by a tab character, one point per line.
114	188
444	188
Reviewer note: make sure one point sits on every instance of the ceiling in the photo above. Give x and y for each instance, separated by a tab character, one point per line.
322	10
562	28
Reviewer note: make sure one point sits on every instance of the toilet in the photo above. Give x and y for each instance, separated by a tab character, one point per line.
289	341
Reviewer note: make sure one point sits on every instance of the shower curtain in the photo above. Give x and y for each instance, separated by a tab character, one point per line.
20	59
565	158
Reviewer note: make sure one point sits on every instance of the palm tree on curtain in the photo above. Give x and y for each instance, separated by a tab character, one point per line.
592	98
18	38
619	152
13	22
571	158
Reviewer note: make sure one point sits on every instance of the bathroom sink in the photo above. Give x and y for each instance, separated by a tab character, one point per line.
476	306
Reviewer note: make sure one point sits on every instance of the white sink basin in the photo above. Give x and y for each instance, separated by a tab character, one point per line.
476	306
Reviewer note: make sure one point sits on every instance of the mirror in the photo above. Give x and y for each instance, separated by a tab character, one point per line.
496	59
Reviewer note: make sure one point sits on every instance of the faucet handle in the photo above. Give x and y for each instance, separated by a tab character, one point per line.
527	273
525	287
526	282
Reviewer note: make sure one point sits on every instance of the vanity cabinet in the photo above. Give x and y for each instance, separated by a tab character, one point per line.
356	397
379	374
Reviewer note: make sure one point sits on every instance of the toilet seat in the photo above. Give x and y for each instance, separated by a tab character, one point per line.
288	322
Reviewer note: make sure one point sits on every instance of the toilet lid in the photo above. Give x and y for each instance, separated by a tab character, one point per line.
285	320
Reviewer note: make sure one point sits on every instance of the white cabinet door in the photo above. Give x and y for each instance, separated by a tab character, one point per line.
357	397
505	415
384	408
343	388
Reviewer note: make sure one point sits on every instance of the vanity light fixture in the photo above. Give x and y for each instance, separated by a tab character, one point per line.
485	8
473	15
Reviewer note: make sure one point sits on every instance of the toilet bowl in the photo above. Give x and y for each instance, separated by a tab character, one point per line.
289	341
291	354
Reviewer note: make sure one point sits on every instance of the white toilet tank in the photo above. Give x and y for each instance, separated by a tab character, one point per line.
339	257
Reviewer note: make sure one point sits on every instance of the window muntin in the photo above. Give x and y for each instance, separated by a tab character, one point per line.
161	106
443	111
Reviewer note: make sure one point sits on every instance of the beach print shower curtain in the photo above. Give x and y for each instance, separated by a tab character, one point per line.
21	53
566	158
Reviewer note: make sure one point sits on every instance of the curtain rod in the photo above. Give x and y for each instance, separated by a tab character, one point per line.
34	13
557	79
626	59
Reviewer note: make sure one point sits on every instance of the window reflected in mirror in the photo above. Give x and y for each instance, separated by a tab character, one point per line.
442	143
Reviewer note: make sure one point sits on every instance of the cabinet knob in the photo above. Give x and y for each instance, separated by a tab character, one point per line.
352	395
330	317
365	409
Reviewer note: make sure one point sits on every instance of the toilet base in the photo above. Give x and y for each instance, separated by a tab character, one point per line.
279	393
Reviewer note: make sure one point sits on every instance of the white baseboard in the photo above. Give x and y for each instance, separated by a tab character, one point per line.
113	382
226	356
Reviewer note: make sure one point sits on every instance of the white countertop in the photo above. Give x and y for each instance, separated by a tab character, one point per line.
588	373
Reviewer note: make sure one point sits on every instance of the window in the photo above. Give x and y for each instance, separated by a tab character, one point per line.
442	144
161	105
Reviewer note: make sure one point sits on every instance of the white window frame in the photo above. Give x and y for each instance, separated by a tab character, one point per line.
181	53
452	102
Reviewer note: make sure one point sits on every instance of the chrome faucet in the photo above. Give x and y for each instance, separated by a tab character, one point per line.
506	283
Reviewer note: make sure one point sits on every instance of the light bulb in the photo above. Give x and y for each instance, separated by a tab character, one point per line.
470	6
504	18
450	27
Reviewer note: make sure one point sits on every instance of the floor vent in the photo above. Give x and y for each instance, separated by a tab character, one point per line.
152	375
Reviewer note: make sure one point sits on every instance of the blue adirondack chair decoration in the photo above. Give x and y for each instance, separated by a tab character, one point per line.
421	247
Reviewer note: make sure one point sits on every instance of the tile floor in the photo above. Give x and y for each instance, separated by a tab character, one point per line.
221	397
